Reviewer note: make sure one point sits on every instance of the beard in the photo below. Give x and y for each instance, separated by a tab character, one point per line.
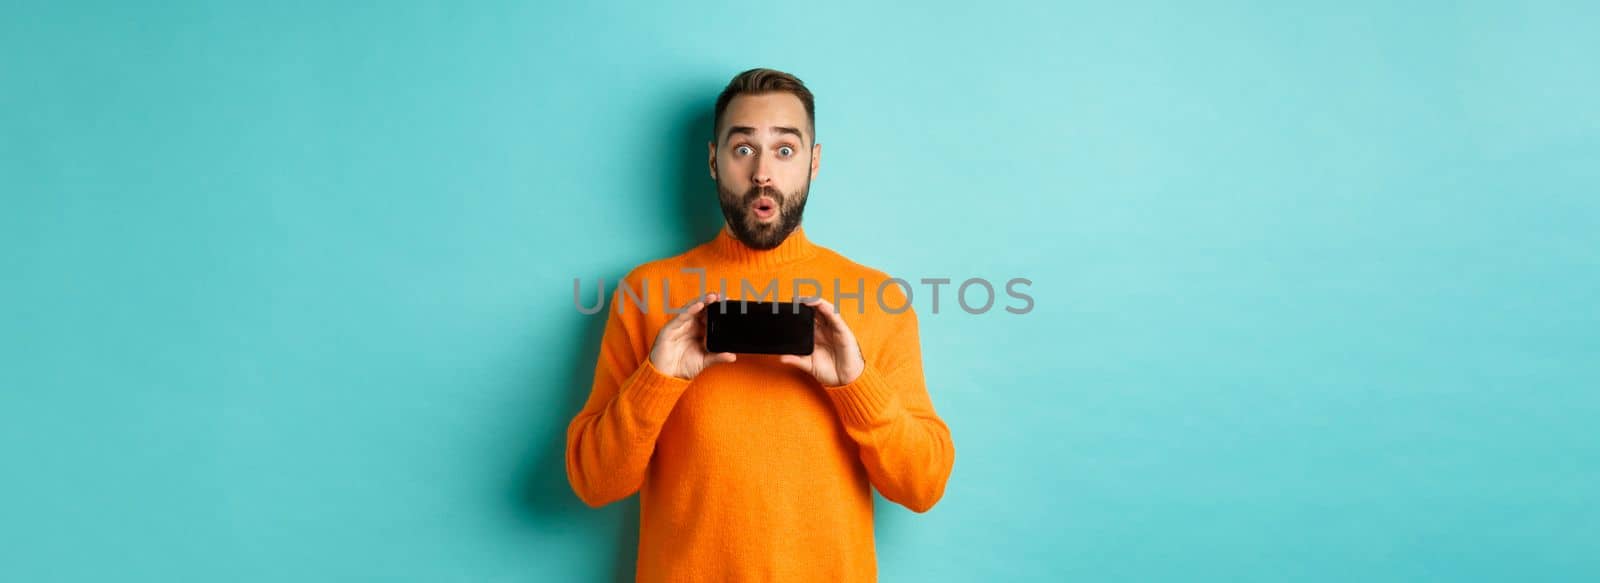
752	231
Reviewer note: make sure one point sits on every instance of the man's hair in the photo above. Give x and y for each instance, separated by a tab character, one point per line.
759	81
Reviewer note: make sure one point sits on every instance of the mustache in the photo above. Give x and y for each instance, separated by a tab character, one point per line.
756	192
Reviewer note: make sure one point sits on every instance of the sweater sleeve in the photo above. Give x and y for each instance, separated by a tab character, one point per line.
904	445
610	442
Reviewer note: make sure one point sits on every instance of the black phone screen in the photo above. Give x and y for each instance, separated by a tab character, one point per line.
759	327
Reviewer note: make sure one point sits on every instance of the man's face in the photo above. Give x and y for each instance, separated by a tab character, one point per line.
763	162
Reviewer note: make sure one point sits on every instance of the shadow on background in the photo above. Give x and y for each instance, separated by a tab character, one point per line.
544	490
696	192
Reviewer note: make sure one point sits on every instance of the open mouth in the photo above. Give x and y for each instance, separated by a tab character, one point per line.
764	208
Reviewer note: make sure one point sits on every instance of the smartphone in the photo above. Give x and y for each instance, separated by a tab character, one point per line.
760	327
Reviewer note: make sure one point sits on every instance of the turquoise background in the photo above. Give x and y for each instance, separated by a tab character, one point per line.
287	287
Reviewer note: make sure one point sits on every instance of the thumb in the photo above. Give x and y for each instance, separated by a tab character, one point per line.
721	357
793	360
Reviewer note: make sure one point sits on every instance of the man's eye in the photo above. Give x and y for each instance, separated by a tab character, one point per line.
786	151
743	150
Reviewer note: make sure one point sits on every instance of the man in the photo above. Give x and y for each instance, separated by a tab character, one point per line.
759	467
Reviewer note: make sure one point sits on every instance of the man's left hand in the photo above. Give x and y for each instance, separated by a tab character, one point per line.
836	360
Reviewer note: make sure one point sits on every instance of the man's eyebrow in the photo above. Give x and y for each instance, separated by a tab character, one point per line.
747	130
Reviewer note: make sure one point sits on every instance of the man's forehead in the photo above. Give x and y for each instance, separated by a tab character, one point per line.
766	114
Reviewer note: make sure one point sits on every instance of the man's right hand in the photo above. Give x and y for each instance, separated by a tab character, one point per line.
680	347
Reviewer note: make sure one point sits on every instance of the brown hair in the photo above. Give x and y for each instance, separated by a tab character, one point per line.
759	81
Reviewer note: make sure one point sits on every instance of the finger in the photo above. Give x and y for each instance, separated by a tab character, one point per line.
821	326
800	361
829	315
697	324
721	357
693	309
698	305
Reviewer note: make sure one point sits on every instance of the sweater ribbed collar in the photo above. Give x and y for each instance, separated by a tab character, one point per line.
794	248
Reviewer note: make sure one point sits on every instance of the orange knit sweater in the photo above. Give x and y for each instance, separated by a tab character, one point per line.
754	471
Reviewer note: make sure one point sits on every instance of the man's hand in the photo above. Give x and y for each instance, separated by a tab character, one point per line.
836	360
680	347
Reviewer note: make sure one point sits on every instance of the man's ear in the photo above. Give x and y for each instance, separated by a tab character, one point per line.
816	159
711	148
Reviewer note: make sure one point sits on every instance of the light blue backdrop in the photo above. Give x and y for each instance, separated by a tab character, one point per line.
287	286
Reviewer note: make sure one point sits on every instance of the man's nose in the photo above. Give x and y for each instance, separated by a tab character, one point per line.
763	172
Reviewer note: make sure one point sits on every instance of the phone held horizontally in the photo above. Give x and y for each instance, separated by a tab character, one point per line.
752	327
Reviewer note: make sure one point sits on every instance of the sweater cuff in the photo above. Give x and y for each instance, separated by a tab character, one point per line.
653	393
865	400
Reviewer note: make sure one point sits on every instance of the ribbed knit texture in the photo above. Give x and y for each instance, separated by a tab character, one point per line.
754	471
